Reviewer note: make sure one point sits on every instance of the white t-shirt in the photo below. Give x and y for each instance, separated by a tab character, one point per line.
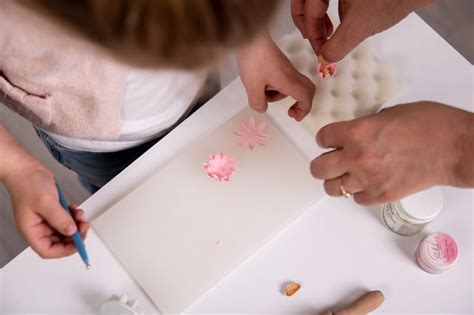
154	100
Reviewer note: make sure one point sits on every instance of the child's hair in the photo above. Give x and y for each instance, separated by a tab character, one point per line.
172	33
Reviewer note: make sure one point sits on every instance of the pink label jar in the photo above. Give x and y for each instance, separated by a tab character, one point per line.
437	252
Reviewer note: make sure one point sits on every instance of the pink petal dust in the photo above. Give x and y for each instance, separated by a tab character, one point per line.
251	135
220	166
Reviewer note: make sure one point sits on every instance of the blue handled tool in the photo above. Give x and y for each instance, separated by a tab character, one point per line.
76	237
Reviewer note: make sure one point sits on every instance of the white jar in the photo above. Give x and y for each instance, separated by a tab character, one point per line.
410	215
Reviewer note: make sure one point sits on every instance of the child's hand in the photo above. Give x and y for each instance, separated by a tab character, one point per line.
46	226
268	76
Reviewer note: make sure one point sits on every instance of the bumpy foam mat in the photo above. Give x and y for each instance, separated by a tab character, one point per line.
363	82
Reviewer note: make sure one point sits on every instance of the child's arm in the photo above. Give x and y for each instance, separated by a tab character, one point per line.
269	76
38	214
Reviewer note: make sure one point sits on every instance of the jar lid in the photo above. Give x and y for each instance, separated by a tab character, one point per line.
423	206
438	252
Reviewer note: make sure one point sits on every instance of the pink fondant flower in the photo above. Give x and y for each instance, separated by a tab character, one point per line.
326	71
220	166
251	135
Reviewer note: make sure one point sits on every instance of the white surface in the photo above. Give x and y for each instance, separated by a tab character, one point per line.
423	206
165	231
335	250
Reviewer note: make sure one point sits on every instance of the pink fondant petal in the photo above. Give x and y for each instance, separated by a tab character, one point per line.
252	123
220	166
261	127
251	134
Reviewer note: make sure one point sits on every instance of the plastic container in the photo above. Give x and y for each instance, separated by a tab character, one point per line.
437	252
121	306
410	215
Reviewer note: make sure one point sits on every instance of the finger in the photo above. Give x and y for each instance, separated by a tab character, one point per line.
77	214
61	249
332	135
346	37
295	111
367	198
328	165
317	43
314	23
302	90
257	99
58	219
329	25
66	239
297	13
350	184
83	229
51	246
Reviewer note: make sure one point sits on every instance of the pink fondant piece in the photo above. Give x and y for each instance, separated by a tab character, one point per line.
251	135
220	166
325	71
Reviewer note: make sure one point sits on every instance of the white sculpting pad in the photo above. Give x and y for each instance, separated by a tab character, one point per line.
180	232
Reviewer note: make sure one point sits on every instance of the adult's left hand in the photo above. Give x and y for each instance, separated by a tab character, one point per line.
399	151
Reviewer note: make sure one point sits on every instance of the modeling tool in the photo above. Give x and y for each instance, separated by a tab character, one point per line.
76	237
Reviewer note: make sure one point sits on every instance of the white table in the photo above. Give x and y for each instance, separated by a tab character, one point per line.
336	250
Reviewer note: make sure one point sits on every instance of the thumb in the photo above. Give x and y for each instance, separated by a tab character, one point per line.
302	90
59	219
346	37
257	98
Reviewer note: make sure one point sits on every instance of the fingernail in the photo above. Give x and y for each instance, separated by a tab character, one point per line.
322	60
71	230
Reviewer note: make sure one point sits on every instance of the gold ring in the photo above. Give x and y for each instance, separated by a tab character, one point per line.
343	190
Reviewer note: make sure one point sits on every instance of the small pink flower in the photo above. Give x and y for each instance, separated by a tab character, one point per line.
251	135
220	166
326	71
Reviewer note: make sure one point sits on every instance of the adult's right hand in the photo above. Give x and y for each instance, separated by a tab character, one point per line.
396	152
359	20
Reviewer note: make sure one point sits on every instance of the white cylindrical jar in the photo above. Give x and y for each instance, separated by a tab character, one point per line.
408	216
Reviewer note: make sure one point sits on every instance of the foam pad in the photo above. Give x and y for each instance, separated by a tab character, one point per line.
362	84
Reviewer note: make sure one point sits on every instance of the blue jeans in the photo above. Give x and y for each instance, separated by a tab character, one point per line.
95	169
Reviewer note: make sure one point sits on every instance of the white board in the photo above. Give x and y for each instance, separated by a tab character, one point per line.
166	232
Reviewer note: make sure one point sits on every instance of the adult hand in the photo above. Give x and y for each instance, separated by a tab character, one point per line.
46	226
359	20
268	76
311	18
401	150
